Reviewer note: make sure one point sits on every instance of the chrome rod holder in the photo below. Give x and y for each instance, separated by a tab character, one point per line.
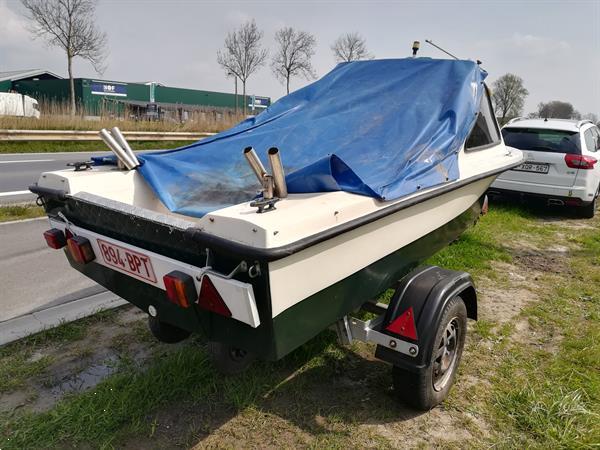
110	141
118	135
277	173
257	166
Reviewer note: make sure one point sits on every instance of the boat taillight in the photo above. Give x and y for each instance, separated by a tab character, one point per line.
210	299
55	238
180	288
81	249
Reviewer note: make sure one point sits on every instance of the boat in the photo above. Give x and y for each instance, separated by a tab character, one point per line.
373	169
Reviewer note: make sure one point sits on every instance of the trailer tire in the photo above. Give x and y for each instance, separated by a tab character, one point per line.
229	360
167	333
425	389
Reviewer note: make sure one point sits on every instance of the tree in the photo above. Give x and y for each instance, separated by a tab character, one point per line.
557	110
350	47
590	116
243	54
292	58
508	94
69	25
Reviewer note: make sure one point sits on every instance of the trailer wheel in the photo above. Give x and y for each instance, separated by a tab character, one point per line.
167	333
429	387
229	360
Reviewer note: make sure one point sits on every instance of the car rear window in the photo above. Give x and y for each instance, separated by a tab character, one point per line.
543	140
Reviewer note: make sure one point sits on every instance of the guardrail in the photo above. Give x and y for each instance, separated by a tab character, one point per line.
60	135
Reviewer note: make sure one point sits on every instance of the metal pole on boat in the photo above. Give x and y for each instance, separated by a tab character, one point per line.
116	148
257	166
277	172
116	133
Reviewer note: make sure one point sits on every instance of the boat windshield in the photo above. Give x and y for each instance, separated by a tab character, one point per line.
543	140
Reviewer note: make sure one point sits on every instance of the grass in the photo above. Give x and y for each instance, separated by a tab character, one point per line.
18	361
55	116
20	212
81	146
543	391
549	396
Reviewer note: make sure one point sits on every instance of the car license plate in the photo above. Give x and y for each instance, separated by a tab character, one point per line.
134	263
533	167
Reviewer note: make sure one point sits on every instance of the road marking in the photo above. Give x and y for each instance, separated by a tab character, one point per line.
25	161
22	221
8	194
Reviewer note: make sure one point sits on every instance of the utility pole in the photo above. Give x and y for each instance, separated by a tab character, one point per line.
235	78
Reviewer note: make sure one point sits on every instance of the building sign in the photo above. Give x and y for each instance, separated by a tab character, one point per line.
259	102
104	88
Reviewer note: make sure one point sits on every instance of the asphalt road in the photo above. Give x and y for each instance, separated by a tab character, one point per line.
34	276
19	171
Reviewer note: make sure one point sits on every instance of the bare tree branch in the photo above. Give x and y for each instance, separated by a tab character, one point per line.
350	47
69	25
508	94
243	54
292	57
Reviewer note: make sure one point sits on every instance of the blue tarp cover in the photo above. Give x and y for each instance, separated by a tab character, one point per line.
381	128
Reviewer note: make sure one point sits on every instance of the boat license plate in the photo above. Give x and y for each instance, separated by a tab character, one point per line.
533	167
132	262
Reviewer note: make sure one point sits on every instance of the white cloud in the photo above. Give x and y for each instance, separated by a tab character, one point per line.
538	45
237	17
13	29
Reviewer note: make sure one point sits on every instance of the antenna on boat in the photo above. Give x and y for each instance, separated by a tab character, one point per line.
430	42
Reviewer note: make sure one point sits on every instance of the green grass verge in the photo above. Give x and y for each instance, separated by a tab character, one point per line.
82	146
20	212
543	395
547	395
17	364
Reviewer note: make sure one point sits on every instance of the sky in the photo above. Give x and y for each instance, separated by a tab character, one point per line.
553	45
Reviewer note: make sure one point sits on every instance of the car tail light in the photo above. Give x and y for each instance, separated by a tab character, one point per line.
580	161
81	249
55	238
210	299
180	287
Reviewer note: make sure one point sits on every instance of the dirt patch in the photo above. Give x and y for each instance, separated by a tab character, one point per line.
80	365
542	262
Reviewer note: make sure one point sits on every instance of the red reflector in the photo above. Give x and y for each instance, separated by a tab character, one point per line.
81	249
404	325
55	238
580	161
210	299
573	202
180	288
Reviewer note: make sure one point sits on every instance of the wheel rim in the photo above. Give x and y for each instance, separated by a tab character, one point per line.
446	354
237	354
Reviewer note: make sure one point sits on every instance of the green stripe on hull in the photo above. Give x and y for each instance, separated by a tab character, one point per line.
301	322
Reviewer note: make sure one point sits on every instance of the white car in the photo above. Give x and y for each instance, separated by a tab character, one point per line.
561	162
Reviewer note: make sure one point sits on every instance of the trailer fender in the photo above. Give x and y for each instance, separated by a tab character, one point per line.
416	308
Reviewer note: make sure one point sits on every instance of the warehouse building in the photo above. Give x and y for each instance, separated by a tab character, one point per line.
143	100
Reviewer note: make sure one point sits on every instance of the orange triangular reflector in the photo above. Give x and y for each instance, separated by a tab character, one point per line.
404	325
